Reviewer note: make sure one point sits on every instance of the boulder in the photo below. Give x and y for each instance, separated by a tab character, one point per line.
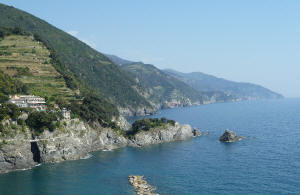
229	136
196	132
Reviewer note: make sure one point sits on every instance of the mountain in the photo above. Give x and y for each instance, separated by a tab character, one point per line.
161	89
205	82
77	62
117	60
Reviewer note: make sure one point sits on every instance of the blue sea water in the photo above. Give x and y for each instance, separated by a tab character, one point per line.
266	162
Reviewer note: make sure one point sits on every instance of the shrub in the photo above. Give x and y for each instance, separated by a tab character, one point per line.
9	110
94	108
3	98
1	127
148	123
21	122
39	121
9	85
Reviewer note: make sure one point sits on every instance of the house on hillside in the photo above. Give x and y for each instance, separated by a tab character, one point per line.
66	113
29	101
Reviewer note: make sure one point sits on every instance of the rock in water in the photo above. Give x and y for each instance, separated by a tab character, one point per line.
196	132
229	136
140	185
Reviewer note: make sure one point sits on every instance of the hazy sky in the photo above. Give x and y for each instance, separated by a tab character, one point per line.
252	41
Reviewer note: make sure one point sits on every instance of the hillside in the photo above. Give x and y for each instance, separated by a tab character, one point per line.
27	67
205	82
162	88
28	60
165	90
77	62
117	60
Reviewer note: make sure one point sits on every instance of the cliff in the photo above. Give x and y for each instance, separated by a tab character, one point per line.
161	135
20	149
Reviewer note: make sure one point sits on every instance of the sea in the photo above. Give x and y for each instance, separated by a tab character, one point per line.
266	162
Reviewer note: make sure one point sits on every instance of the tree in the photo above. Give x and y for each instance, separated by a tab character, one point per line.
3	98
39	121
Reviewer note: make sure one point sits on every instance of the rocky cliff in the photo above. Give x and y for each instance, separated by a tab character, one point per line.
160	135
74	139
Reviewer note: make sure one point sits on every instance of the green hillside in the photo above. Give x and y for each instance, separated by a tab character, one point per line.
74	59
27	67
28	60
9	86
160	87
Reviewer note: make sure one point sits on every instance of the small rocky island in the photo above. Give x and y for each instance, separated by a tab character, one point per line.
230	136
140	185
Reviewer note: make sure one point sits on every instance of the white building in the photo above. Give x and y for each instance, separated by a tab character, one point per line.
29	101
66	113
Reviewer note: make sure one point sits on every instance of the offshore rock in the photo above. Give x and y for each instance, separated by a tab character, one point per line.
229	136
196	132
140	185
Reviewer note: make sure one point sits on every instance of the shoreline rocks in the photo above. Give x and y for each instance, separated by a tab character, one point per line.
75	140
141	186
230	136
197	132
164	134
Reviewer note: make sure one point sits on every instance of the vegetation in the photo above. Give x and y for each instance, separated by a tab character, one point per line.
9	31
159	86
23	65
39	121
94	108
149	123
9	85
9	111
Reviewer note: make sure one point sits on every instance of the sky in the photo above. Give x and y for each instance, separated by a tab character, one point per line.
255	41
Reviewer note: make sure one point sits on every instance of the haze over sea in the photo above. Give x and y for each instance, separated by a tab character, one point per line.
266	162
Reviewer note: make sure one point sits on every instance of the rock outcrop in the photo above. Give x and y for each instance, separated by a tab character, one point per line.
165	134
74	140
140	111
229	136
20	149
140	185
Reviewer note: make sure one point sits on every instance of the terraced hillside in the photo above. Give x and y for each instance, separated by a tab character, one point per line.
75	60
28	60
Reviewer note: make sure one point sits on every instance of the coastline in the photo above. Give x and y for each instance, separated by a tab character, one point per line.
76	141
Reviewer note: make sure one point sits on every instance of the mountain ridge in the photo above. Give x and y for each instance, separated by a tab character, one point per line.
208	84
205	82
166	91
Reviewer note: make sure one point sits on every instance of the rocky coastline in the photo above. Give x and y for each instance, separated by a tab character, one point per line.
75	140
